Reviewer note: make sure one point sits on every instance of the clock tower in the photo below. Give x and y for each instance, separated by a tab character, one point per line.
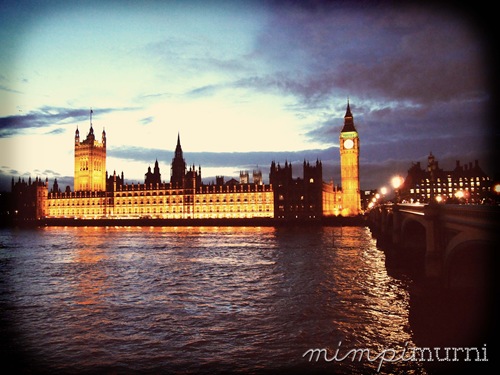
349	166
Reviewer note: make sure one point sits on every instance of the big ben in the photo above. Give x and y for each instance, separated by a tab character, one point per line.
349	166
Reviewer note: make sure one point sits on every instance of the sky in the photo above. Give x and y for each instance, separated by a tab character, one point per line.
243	83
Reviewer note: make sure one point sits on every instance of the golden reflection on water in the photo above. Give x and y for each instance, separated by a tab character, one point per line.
186	290
90	282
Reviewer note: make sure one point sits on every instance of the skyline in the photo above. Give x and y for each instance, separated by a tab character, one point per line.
243	85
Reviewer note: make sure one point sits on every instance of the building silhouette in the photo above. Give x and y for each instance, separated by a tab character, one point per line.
99	195
464	184
153	178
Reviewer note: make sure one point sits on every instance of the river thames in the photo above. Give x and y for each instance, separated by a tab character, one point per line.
205	300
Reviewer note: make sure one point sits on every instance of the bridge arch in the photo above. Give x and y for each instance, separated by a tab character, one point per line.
468	262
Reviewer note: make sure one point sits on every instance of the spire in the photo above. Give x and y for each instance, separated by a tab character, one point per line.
178	170
91	131
348	120
178	148
348	111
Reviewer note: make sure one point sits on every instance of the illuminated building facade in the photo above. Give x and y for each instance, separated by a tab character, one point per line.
349	166
464	184
97	195
90	161
185	197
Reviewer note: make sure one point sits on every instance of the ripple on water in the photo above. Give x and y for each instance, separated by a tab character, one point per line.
196	299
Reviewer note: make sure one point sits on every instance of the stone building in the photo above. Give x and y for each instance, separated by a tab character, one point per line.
464	184
99	195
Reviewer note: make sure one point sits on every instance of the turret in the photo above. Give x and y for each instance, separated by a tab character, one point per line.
103	138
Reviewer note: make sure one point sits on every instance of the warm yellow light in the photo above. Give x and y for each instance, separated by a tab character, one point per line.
459	194
383	190
397	181
496	188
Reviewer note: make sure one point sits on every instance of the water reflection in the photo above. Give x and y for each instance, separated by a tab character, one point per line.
208	299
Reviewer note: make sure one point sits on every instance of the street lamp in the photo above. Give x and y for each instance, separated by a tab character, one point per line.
460	195
396	183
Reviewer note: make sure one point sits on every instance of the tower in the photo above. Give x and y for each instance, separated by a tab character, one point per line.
153	178
178	166
349	166
90	161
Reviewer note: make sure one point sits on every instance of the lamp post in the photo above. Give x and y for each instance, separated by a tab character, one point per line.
396	183
383	191
431	167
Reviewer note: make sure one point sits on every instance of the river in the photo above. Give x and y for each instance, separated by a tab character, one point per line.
203	300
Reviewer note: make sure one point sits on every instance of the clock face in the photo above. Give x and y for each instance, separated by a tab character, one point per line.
348	143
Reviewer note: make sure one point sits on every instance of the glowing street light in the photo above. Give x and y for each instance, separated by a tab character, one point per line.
396	183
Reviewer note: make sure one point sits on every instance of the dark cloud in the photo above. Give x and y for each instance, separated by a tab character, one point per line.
142	154
218	159
417	54
47	116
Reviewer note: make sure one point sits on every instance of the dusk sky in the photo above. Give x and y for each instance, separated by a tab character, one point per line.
243	83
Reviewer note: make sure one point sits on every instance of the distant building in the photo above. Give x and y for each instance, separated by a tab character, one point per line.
464	184
97	195
29	199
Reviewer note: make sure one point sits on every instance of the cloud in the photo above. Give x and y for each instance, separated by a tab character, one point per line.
207	90
7	89
221	159
416	54
146	120
47	116
56	131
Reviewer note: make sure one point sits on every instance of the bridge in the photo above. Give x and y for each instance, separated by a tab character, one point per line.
449	245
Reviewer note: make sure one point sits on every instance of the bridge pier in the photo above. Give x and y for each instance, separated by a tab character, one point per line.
433	260
433	238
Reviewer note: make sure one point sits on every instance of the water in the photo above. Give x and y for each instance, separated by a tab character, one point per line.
199	299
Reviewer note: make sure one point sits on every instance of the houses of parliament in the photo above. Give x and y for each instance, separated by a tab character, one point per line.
99	195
